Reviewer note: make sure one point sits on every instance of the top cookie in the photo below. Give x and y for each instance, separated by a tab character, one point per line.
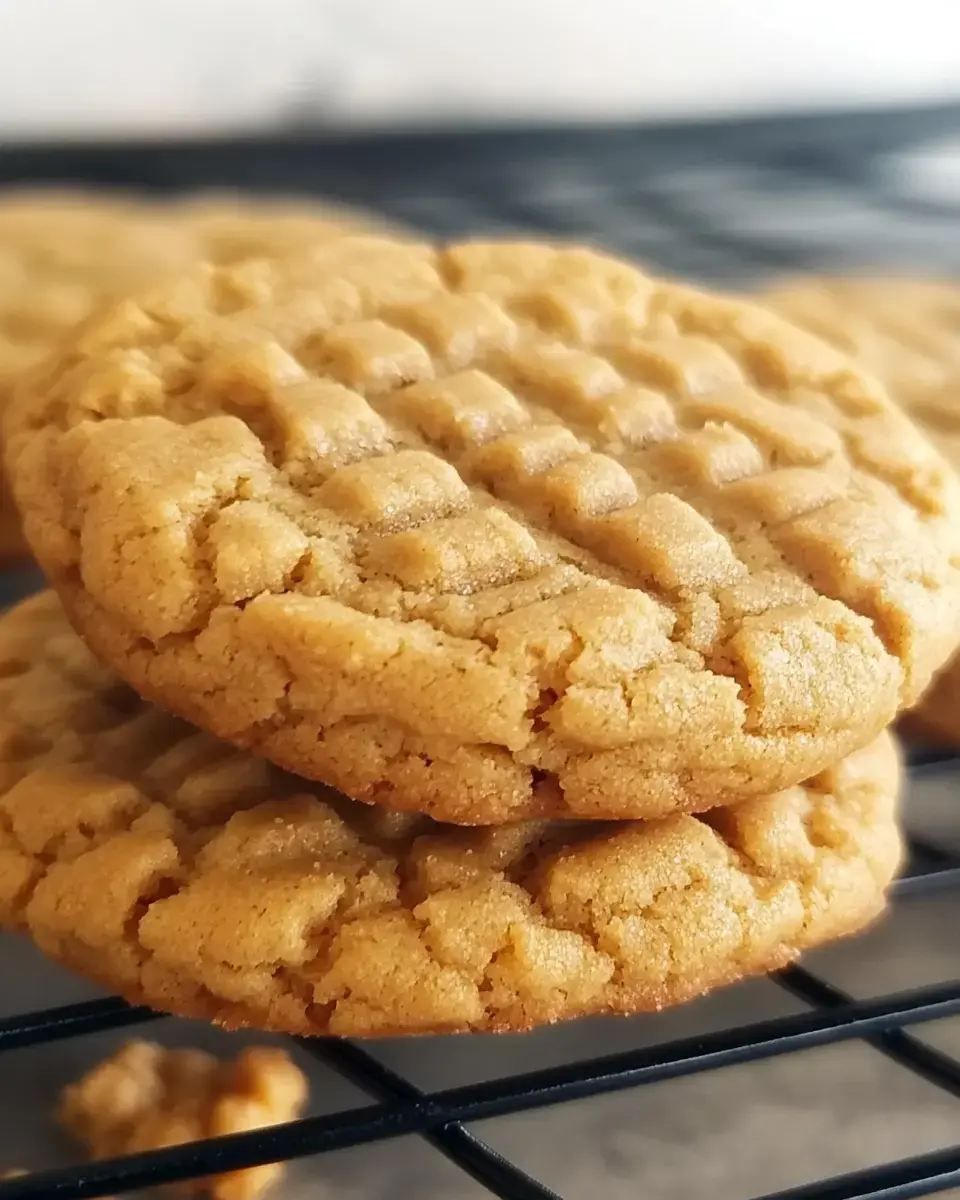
492	531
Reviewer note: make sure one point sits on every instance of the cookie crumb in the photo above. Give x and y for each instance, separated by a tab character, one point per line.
146	1097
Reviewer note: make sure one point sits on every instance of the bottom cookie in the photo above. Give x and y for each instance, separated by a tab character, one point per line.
192	877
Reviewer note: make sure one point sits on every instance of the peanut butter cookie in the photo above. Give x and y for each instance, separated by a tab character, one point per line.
491	532
190	876
63	253
907	331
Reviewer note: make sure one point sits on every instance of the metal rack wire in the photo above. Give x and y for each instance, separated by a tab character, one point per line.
724	203
441	1117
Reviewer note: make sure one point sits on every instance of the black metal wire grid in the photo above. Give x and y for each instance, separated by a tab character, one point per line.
727	203
829	1016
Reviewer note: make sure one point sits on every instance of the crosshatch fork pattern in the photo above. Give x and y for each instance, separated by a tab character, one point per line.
623	187
528	452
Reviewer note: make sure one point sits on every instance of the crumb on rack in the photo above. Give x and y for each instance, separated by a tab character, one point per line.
146	1097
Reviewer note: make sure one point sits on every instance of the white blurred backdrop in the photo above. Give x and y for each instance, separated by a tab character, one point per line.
153	67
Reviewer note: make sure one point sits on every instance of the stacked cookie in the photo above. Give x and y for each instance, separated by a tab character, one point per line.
60	255
64	254
907	331
594	593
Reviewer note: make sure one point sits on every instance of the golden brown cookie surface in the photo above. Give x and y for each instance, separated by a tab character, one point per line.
908	332
492	532
63	253
905	330
236	226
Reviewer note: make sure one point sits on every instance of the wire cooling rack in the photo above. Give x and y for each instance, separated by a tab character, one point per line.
729	204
